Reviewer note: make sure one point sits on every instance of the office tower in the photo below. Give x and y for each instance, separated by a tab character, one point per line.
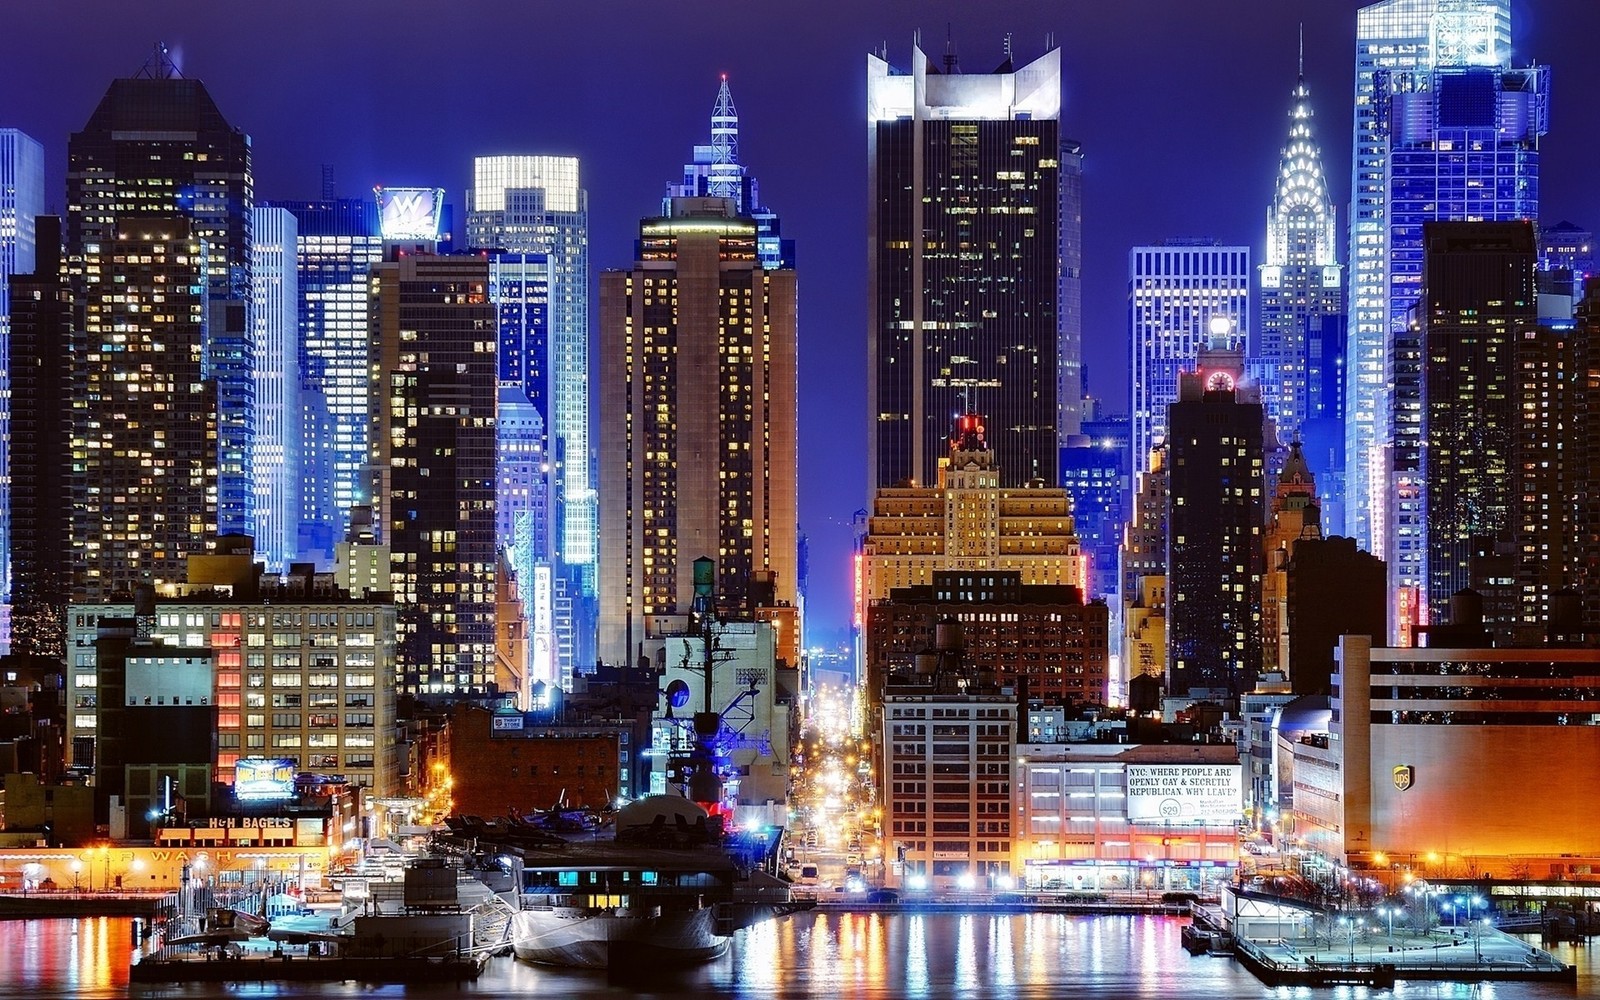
1566	259
1142	563
1333	589
144	414
41	485
1094	471
279	428
533	204
1302	284
964	280
967	520
336	241
1182	296
698	418
1392	36
1477	301
1556	512
1293	518
1322	433
21	202
715	172
1072	375
1215	513
158	146
433	451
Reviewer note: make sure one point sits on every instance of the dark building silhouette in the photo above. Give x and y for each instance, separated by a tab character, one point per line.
1215	517
1334	589
41	492
1477	299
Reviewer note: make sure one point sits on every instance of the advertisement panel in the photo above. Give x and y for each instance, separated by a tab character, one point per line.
260	778
1185	793
410	213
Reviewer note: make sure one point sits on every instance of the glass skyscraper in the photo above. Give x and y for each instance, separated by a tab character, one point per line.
1392	35
958	164
534	204
277	390
21	203
1182	296
337	240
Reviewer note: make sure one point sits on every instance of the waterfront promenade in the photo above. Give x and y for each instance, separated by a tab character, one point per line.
1380	959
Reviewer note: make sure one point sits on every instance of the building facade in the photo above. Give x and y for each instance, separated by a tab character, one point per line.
698	420
21	203
278	432
958	163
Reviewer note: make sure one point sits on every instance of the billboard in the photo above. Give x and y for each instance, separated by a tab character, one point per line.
410	213
1185	793
258	779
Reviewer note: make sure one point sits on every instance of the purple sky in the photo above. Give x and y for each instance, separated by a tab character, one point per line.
1180	106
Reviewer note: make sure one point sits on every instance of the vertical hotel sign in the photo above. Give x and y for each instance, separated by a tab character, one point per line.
858	589
410	213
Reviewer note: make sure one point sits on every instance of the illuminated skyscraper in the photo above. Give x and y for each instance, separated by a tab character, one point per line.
1302	284
278	432
21	202
433	451
698	420
960	165
337	240
144	414
1182	296
1396	36
534	204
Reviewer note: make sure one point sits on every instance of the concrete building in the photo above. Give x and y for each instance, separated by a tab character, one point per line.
1295	516
698	420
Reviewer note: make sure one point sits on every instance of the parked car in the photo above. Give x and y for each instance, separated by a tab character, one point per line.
883	896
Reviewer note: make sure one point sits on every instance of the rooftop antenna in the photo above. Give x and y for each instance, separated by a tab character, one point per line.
327	182
949	48
1008	46
1302	50
160	65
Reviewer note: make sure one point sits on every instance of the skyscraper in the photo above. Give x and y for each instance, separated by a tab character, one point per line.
21	202
144	414
1215	514
278	431
158	148
1302	284
336	241
1478	300
1393	36
698	416
433	451
1182	296
964	279
534	204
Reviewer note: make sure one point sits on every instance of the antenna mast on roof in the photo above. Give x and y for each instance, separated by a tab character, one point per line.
1008	46
949	49
160	65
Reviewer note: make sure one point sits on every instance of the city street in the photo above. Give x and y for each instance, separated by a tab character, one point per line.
834	838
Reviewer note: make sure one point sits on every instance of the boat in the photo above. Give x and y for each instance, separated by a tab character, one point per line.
671	889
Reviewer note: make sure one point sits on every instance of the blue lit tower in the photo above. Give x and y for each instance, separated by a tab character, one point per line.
337	240
1182	296
1301	282
1094	470
1463	145
277	389
716	172
1393	36
958	163
21	203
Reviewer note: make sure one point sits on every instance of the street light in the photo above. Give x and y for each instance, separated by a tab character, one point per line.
1388	912
77	867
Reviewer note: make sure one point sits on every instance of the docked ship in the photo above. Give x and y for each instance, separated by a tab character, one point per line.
671	888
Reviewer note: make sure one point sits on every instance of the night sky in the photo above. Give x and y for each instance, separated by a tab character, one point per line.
1181	107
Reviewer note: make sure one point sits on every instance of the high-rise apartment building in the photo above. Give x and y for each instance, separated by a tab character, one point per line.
144	413
1477	302
535	205
434	336
1301	281
1182	296
279	429
157	145
964	270
41	483
1215	514
1392	36
336	241
698	411
21	203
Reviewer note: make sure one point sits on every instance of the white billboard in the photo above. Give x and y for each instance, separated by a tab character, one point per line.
1186	793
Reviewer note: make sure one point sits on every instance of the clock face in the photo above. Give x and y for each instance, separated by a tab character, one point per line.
1219	382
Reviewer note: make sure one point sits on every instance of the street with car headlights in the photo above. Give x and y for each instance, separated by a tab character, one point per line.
834	845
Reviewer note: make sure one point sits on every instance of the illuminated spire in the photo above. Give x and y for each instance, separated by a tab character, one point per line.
725	172
1300	222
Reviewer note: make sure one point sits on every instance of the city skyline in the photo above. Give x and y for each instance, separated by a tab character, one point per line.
353	112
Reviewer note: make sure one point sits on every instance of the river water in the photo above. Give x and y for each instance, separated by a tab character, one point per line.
805	955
